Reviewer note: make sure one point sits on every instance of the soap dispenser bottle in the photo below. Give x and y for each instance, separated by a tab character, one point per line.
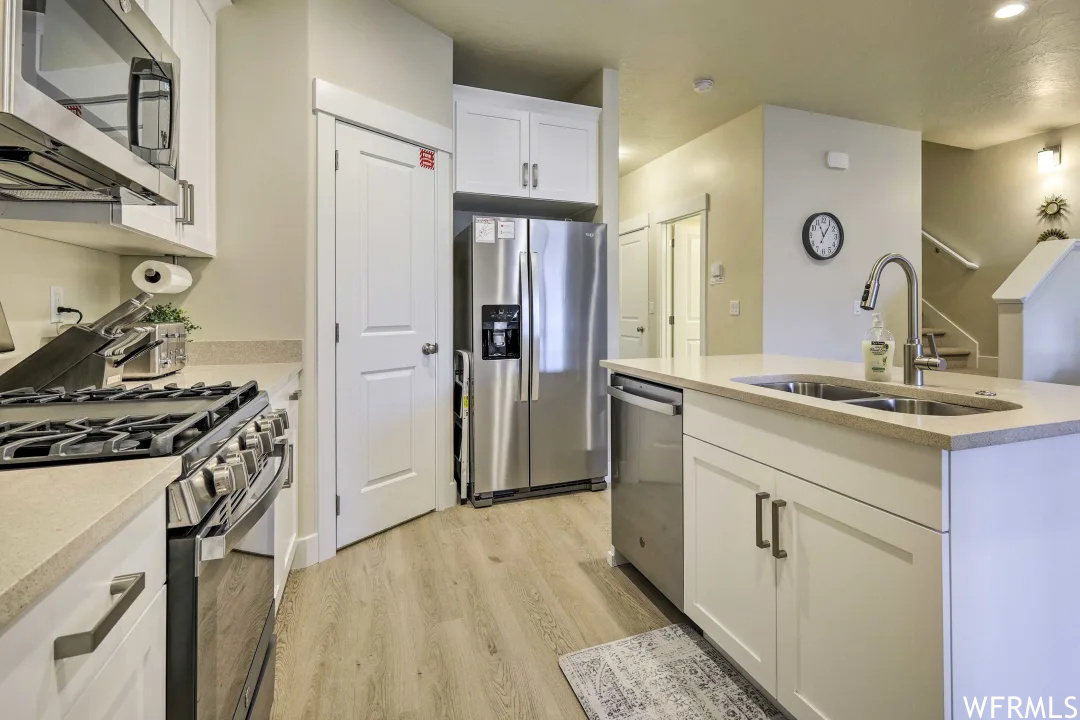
877	351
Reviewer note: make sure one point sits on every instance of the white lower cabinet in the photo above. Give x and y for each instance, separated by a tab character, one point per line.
286	511
842	617
131	684
730	585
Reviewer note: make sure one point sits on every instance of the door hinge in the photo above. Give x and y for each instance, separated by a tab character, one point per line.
672	242
337	504
670	319
337	159
337	332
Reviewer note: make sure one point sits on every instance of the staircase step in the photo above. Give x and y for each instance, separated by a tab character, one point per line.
956	357
936	332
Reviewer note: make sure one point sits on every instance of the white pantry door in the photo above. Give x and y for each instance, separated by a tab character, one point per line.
634	294
386	308
686	287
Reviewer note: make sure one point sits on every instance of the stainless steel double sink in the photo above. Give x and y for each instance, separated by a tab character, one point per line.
873	400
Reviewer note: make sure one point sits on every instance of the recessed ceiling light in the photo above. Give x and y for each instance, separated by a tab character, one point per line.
1010	10
703	85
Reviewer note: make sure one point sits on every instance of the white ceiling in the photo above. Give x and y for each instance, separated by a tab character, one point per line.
946	67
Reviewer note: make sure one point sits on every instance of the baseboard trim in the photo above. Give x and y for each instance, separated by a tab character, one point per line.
306	552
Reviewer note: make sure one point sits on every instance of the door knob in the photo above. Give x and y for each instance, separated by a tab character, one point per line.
430	348
641	328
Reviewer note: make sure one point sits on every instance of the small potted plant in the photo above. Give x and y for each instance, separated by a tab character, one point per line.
167	313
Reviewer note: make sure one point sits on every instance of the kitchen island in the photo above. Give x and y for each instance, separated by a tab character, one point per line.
863	563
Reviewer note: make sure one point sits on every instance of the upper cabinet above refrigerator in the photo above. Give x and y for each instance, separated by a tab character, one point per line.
513	146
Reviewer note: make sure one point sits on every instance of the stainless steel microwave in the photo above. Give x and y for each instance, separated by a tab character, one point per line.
88	104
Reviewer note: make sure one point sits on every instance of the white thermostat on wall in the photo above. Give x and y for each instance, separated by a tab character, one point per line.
837	160
716	273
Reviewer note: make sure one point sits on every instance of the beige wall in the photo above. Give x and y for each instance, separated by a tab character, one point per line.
809	304
30	267
726	163
983	203
378	49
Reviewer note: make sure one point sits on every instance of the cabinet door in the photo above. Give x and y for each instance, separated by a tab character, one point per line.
131	684
194	42
285	507
491	150
730	581
860	610
564	158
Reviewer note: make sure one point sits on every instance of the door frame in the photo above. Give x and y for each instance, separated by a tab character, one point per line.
664	219
640	222
333	104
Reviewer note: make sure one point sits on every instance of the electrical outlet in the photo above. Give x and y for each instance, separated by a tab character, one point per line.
858	310
56	300
734	307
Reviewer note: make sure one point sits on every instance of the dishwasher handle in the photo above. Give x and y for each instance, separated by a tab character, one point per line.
657	406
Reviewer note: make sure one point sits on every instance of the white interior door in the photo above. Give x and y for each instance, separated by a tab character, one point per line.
386	310
686	287
634	294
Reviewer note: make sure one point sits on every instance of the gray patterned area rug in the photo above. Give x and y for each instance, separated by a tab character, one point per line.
668	673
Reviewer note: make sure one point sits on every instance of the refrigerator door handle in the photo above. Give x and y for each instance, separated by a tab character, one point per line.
526	328
533	322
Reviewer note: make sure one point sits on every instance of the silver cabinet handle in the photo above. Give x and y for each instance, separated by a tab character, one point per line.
291	459
644	403
524	175
188	194
761	542
429	348
534	320
296	395
128	587
526	328
536	175
776	551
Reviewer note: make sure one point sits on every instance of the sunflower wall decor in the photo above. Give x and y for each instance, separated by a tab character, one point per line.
1053	208
1053	234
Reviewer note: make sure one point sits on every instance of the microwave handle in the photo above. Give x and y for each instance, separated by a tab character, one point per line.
216	547
157	153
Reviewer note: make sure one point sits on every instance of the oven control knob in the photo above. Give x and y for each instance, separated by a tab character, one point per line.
262	443
275	423
241	476
222	478
249	458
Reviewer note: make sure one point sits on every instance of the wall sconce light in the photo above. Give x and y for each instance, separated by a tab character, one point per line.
1049	158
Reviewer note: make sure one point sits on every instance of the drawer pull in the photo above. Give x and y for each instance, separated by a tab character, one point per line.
761	542
776	551
128	587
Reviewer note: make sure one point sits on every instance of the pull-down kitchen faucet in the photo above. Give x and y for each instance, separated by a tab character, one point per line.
914	360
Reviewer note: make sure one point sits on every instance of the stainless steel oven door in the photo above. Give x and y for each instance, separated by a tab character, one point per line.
235	596
98	77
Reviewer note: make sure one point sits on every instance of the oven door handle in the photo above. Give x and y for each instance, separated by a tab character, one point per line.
216	547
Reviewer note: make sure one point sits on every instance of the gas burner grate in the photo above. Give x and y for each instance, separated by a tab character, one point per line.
55	425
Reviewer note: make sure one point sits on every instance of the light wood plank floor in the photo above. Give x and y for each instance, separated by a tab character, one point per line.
459	614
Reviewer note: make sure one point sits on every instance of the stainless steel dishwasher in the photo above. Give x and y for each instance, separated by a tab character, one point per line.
647	481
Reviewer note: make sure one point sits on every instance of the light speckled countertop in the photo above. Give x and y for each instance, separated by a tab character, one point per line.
53	518
1047	410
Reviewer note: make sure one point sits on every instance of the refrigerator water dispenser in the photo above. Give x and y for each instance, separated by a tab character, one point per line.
501	332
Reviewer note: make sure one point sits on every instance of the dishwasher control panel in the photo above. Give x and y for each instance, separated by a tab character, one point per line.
500	332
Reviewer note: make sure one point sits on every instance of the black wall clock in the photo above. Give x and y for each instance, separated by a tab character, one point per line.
823	236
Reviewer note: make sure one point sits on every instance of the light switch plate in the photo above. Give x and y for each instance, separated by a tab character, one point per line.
734	307
652	307
56	300
858	309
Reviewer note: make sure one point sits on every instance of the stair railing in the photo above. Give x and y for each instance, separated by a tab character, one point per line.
950	252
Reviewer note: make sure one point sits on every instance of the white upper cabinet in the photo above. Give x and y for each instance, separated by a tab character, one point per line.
492	150
193	39
523	147
160	13
564	158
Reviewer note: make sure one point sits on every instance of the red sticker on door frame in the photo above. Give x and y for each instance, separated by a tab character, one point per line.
427	159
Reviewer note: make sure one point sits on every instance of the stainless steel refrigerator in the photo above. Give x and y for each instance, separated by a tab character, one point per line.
530	306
